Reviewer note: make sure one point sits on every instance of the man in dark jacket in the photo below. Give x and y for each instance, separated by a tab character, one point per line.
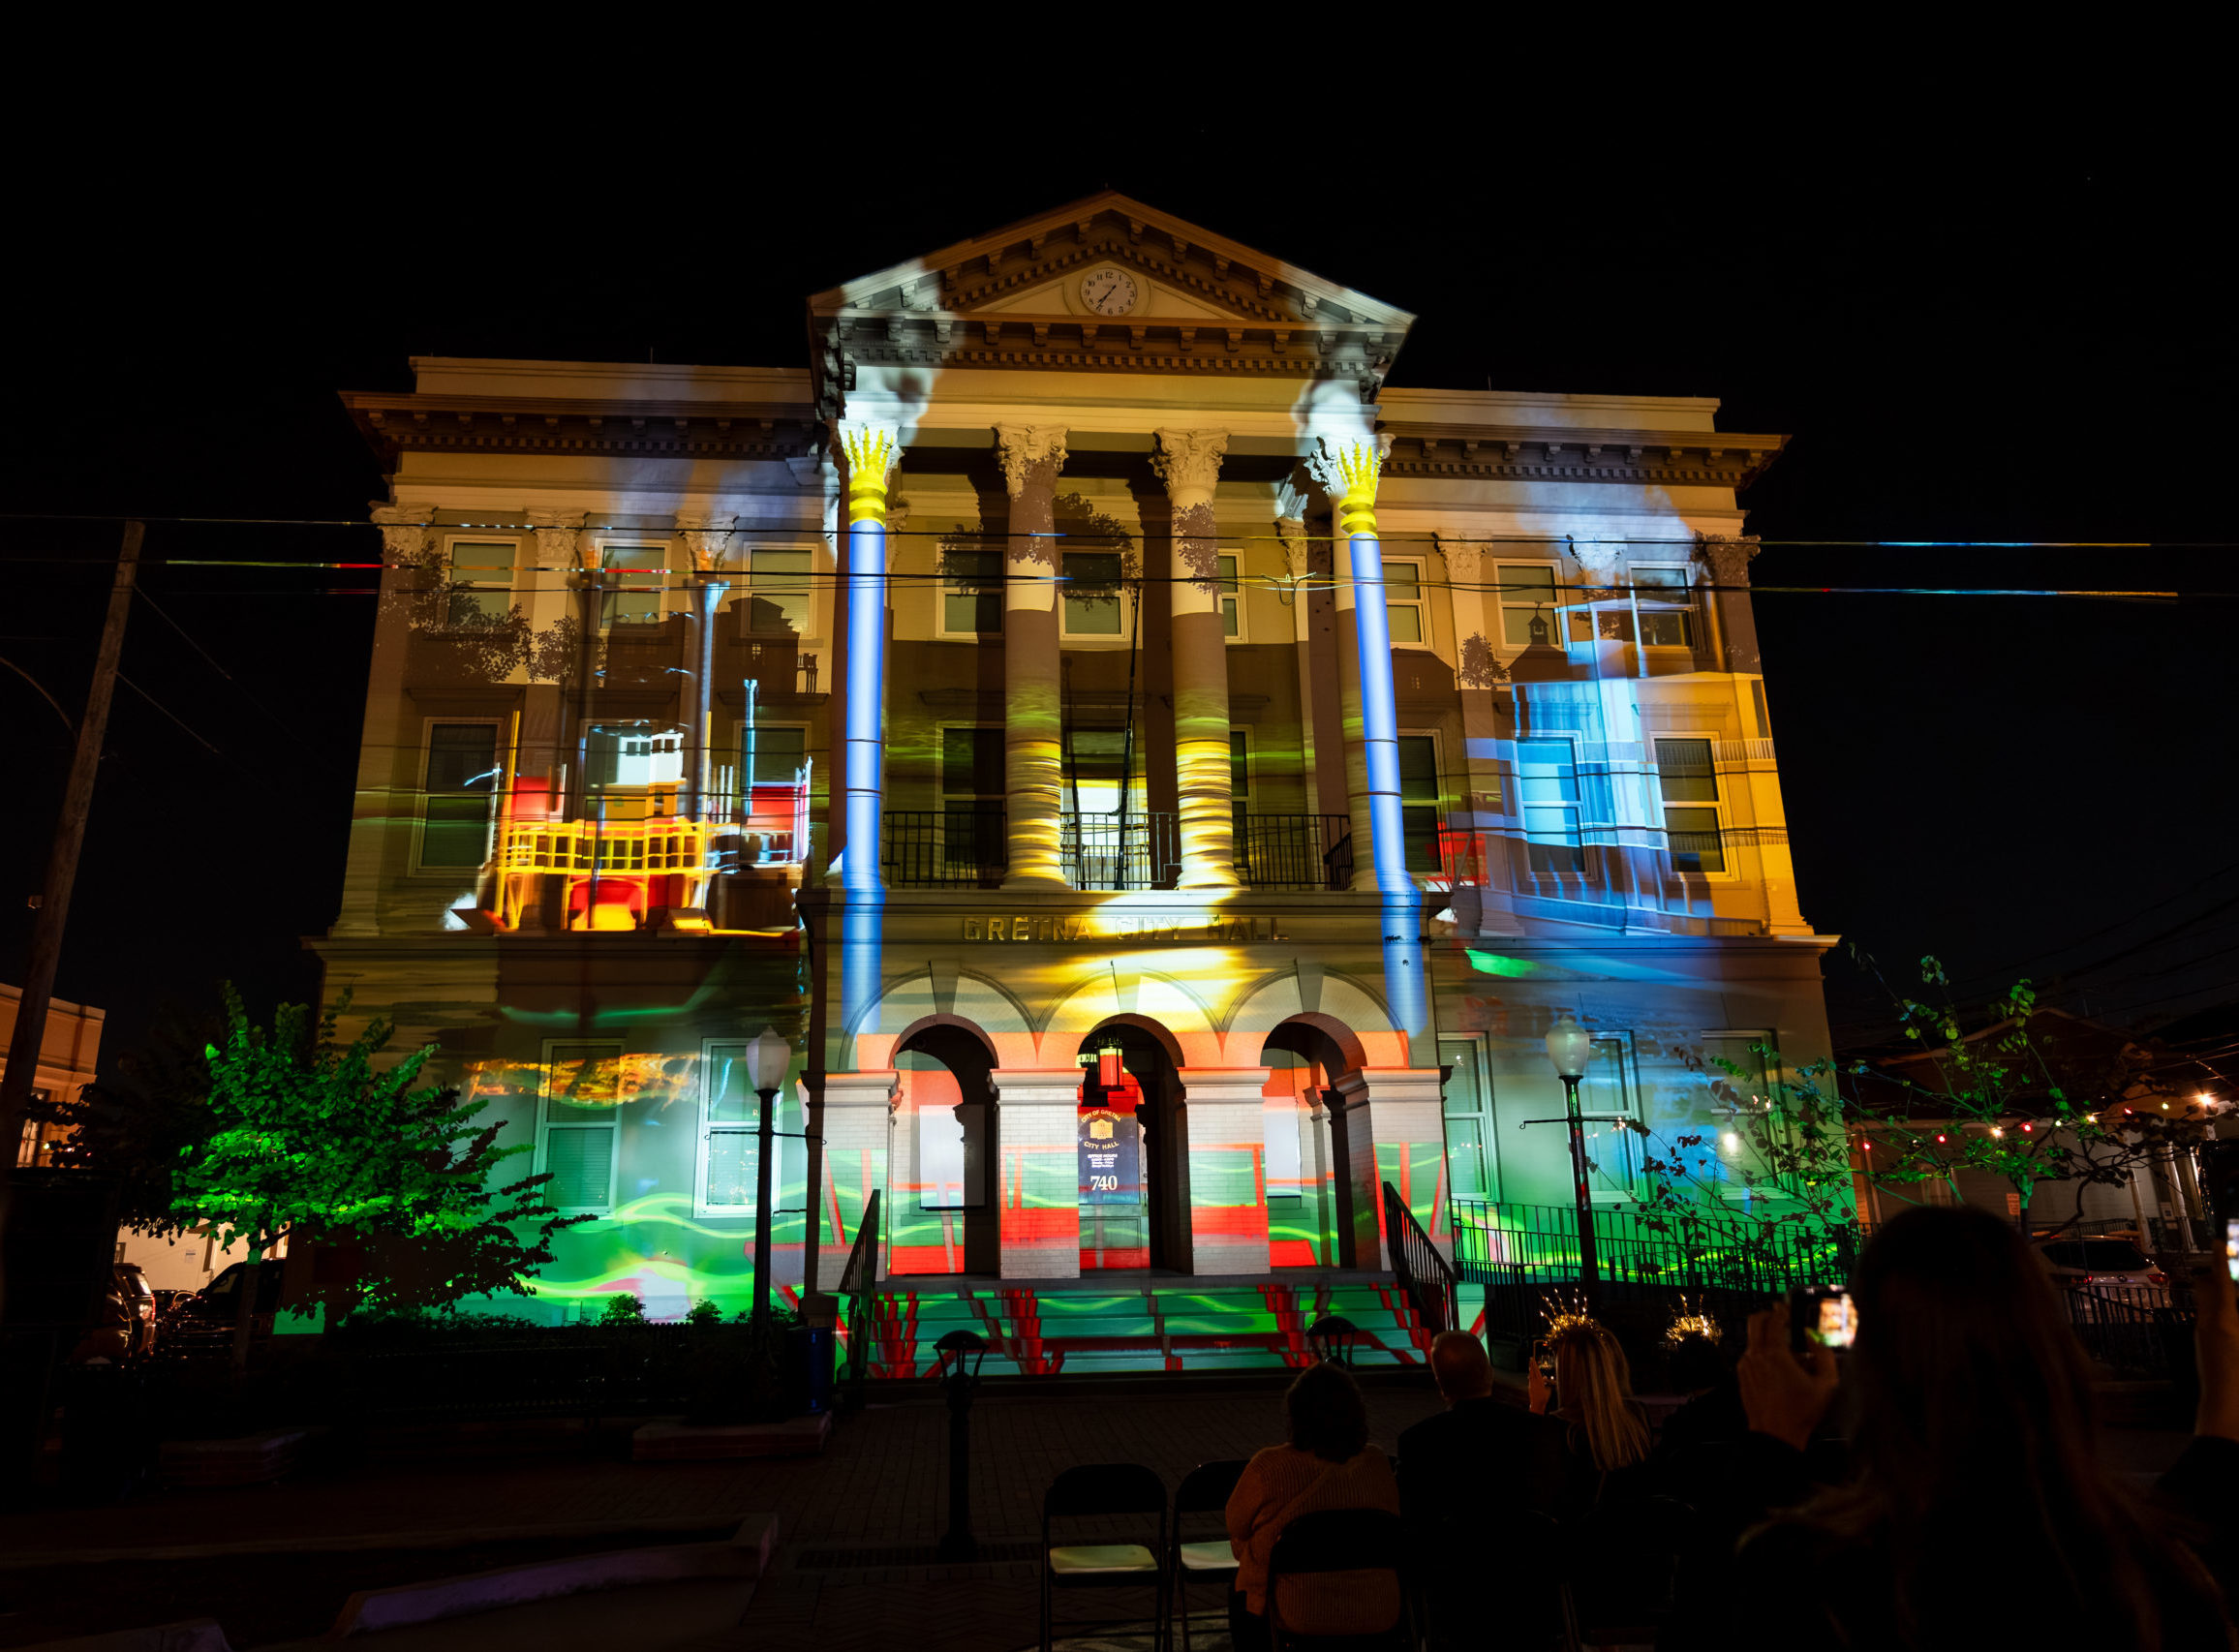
1476	1484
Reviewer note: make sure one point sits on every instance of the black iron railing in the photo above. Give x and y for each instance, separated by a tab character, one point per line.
857	1282
1687	1249
1420	1267
1294	851
958	847
1102	851
2138	1330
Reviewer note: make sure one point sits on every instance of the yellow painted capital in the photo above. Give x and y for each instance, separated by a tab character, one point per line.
874	449
1348	467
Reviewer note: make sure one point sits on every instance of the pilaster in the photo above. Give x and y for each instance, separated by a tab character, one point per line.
856	1121
1228	1189
1394	1132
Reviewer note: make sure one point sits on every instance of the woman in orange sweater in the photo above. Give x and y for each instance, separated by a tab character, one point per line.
1327	1464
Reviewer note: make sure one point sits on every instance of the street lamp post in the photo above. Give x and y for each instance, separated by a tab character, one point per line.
960	1353
1569	1048
768	1059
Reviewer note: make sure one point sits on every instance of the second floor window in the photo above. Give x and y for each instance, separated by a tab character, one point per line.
1688	780
971	796
777	596
1666	604
630	580
1418	800
1527	592
461	786
1231	598
1403	601
1547	777
1092	593
481	580
971	592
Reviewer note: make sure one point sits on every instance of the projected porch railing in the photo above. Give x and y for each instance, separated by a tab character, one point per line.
1538	1244
963	847
944	849
1294	851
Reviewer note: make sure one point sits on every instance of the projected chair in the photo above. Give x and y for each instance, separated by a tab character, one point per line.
1204	1490
1103	1491
1337	1539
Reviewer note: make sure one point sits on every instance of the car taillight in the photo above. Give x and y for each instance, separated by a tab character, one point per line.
2158	1278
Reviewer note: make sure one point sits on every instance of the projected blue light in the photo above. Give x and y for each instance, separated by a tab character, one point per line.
1379	721
866	701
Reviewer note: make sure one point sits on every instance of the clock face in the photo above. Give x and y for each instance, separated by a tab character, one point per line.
1108	291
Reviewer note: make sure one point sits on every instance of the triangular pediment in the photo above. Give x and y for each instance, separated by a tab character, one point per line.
1114	286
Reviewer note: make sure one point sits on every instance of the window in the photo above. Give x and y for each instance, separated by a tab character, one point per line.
1231	598
632	757
1092	593
971	594
778	595
774	754
971	798
482	581
461	789
576	1140
631	579
1419	801
730	1135
1547	777
1743	1051
1403	601
1666	604
1689	781
1468	1102
41	1138
1607	1097
1527	592
1095	761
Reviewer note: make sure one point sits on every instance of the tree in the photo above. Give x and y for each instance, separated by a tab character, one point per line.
311	1140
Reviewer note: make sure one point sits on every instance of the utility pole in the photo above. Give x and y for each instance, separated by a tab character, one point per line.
62	870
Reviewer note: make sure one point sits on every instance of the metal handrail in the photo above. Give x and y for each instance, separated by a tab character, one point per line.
617	848
856	1284
1421	1269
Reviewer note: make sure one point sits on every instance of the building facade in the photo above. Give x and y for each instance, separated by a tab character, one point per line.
1165	779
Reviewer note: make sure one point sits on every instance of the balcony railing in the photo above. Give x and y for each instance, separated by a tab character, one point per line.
1102	851
616	849
1294	851
959	847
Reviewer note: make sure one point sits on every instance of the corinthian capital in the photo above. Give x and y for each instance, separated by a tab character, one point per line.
874	451
557	533
707	536
403	531
1348	468
1727	556
1021	447
1189	463
1462	558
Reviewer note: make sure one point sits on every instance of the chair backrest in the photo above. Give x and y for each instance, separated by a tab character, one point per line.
1208	1487
1339	1540
1105	1488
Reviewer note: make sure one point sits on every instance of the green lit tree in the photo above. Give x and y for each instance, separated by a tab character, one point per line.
308	1138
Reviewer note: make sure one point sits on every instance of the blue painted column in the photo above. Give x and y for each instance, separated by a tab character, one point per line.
872	450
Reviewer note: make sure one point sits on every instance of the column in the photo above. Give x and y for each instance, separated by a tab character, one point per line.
1290	535
1348	469
1189	463
873	449
1394	1132
1228	1185
1037	1132
1034	720
856	1123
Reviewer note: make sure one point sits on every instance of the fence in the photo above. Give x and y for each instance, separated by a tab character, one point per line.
2135	1330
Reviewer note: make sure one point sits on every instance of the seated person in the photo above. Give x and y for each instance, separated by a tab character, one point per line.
1606	1446
1328	1464
1713	1415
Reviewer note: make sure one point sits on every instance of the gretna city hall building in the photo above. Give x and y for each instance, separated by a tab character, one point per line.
1164	779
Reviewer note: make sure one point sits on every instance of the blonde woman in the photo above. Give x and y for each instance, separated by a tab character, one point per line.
1592	1391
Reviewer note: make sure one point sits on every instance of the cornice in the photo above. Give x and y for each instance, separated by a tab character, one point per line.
1570	454
393	425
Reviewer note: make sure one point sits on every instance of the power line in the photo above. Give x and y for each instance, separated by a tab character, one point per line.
161	613
168	712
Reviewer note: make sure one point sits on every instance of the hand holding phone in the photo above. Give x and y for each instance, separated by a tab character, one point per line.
1821	1316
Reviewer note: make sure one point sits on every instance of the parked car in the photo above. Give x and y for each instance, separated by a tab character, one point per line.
120	1328
140	1297
203	1322
2106	1267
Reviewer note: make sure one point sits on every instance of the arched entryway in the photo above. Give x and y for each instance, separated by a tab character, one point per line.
1134	1151
1334	1194
946	1216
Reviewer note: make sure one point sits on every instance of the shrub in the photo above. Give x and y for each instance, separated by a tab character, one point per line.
623	1309
703	1313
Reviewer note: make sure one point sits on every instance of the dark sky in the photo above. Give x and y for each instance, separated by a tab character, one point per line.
2008	334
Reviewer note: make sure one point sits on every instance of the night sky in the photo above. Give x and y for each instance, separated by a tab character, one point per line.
2002	338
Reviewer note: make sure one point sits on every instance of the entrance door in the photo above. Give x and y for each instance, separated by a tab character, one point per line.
1115	1208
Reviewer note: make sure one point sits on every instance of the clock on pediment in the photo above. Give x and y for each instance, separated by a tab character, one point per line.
1110	291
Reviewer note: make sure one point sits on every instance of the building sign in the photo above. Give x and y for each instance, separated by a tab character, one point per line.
995	927
1111	1157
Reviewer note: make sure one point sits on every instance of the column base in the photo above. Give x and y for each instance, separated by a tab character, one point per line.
1207	880
1035	880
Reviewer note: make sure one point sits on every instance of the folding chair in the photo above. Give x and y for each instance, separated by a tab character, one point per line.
1204	1490
1088	1492
1341	1540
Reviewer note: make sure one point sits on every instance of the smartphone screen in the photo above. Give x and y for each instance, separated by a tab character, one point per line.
1838	1321
2231	1249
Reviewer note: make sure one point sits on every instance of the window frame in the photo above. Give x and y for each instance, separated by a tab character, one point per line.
1437	806
1124	601
428	724
1420	602
451	567
1488	1141
1684	607
1730	1187
1502	603
1717	805
977	800
1628	1065
945	588
1582	865
600	546
807	632
1231	595
705	1129
545	1123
